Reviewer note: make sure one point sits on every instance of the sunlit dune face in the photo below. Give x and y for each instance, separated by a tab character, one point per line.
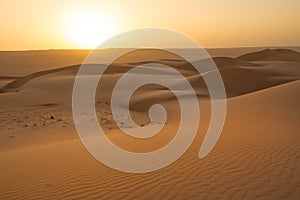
89	29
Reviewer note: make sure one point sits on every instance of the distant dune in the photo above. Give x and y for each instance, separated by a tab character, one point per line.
223	62
240	75
20	63
272	55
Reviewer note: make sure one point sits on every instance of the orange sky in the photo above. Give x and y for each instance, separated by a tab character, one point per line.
53	24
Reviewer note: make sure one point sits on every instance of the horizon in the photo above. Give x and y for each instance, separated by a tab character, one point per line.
291	47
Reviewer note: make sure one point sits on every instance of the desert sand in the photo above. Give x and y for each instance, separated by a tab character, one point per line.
256	157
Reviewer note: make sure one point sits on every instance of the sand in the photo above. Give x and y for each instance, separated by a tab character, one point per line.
256	157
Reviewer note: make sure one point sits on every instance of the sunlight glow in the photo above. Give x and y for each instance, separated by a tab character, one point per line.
89	29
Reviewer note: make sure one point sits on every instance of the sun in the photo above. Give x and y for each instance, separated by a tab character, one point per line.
89	29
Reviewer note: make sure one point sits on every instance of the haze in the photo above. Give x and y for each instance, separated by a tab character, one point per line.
47	24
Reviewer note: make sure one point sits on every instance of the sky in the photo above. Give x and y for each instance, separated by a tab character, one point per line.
74	24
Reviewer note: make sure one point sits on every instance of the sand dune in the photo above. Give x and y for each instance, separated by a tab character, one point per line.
20	63
257	156
250	161
272	55
223	62
240	77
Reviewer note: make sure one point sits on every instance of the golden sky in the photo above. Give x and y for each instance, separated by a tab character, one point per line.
65	24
